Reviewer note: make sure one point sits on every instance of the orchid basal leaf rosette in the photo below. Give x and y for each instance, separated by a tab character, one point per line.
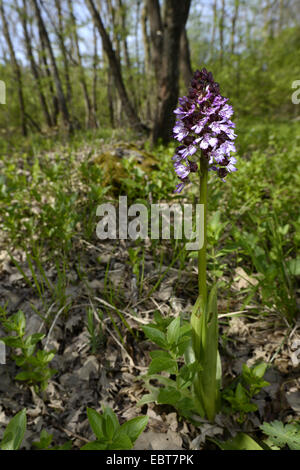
203	123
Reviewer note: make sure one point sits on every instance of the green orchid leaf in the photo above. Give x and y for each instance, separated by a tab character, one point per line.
14	432
134	427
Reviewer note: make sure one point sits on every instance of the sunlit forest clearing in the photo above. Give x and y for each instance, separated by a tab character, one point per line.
132	340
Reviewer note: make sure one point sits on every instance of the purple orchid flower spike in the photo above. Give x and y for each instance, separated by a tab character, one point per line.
203	123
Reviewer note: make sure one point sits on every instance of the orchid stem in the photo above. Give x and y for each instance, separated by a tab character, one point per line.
203	176
196	320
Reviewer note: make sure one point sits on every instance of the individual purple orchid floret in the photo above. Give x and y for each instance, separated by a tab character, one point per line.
203	123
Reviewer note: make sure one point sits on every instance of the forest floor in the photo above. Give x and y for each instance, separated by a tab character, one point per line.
90	297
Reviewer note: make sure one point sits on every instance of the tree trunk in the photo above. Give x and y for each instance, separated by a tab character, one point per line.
33	65
16	69
147	70
110	96
44	62
282	7
122	14
116	39
137	90
133	87
113	19
175	17
95	77
90	118
63	51
214	29
115	68
268	20
146	39
185	59
221	29
233	25
156	34
58	85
